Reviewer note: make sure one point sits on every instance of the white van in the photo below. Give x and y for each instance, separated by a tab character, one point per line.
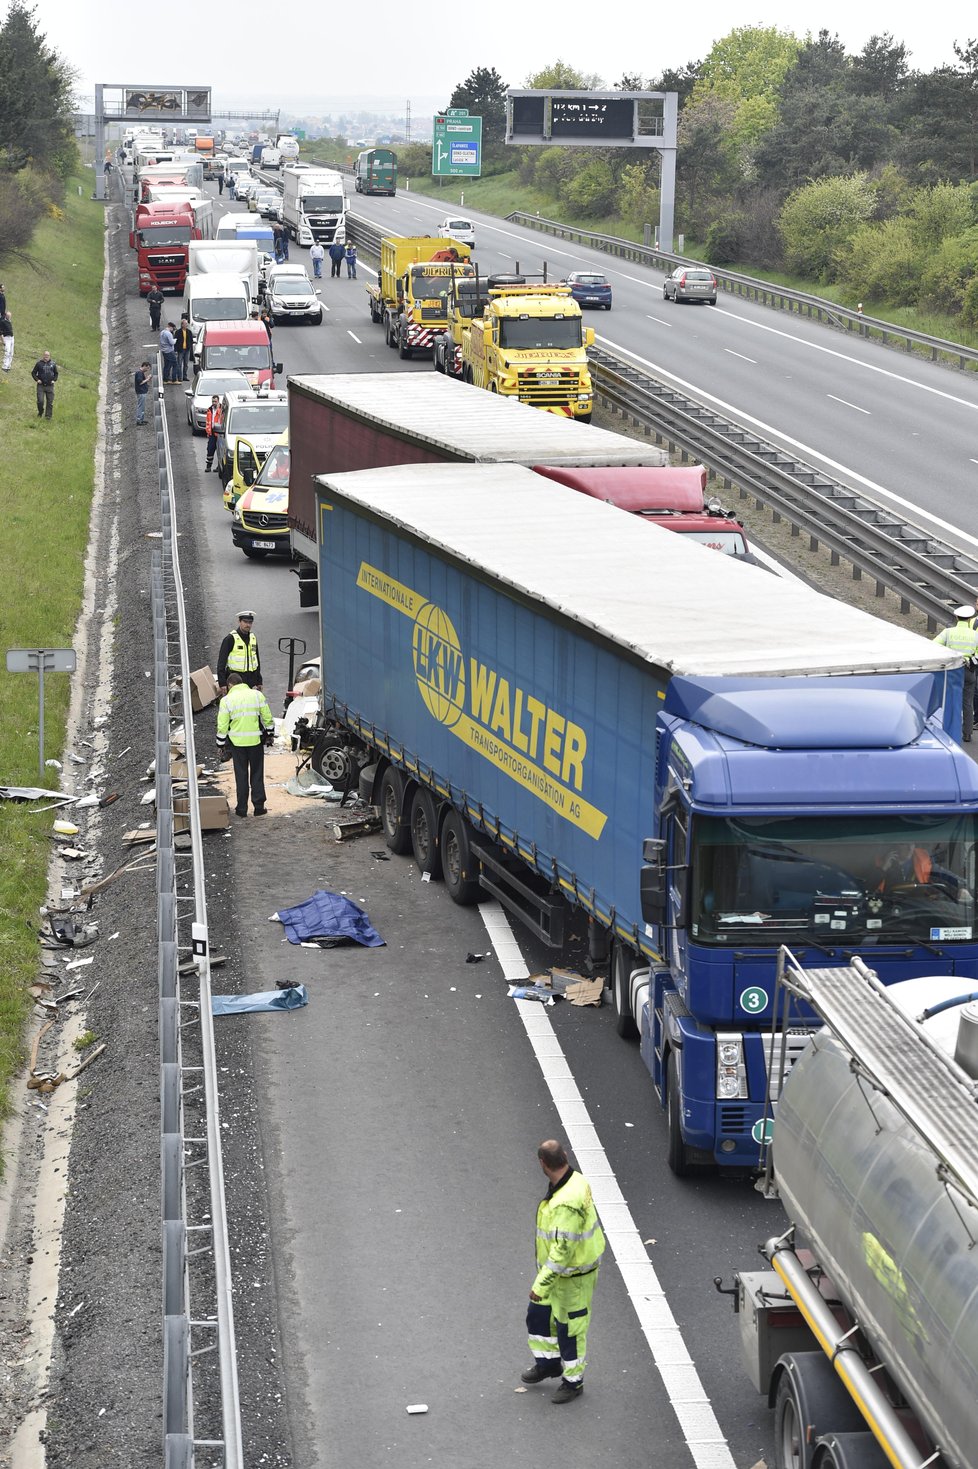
214	298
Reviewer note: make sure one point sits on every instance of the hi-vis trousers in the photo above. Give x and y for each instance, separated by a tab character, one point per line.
557	1328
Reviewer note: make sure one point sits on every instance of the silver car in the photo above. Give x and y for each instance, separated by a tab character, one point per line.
691	283
205	386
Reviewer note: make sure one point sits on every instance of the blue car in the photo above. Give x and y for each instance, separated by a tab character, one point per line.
590	288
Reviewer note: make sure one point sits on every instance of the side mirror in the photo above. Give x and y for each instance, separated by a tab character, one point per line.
188	392
277	367
132	239
589	336
652	894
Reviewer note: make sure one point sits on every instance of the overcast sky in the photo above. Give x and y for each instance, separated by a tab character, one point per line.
323	51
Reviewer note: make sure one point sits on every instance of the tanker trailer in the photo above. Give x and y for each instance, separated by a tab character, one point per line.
864	1333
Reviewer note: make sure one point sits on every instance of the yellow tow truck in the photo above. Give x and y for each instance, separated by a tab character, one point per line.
411	296
530	342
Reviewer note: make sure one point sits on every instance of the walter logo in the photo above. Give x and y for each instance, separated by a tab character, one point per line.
438	664
533	744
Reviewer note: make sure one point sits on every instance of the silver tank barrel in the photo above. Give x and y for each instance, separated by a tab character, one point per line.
862	1186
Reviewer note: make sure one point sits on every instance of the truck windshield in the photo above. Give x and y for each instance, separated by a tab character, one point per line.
258	418
835	879
220	308
165	234
256	356
430	287
727	541
540	333
322	203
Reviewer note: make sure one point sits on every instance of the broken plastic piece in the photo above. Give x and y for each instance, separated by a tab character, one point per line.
474	958
54	764
417	1407
65	828
288	999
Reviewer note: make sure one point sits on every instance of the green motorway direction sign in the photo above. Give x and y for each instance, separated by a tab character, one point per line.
456	144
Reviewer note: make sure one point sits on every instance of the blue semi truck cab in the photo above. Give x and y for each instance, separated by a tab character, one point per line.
831	814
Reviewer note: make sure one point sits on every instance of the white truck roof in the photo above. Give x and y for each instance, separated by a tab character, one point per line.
470	423
661	597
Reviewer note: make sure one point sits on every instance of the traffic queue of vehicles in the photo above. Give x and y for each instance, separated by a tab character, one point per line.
703	799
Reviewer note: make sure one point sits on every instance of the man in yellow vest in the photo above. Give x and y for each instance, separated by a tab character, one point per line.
245	725
959	698
569	1246
239	654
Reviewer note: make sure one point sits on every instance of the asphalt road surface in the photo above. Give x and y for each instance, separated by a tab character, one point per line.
400	1114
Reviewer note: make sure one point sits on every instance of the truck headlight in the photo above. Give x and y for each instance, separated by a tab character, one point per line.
236	514
731	1071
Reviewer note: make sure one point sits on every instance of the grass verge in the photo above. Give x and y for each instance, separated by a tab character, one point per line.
54	300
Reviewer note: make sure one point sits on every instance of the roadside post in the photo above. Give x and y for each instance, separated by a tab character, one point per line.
40	661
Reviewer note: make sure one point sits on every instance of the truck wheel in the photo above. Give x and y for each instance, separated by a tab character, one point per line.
391	333
621	962
849	1451
810	1402
332	760
457	863
397	831
677	1155
403	350
424	832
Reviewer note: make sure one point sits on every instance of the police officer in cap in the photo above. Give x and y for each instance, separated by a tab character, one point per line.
239	654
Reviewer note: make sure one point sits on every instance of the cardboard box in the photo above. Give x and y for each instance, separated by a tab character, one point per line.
203	689
215	813
179	769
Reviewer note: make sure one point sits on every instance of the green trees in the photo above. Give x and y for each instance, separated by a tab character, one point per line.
36	125
37	144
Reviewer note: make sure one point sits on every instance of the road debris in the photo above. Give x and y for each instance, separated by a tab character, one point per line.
357	824
417	1407
293	998
327	915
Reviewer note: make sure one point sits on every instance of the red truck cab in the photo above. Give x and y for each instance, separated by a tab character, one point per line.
672	497
161	235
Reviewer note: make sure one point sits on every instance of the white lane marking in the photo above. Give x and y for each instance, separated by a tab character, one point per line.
660	321
775	433
846	404
854	361
697	1420
354	336
752	360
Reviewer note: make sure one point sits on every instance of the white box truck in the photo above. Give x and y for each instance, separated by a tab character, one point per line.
313	205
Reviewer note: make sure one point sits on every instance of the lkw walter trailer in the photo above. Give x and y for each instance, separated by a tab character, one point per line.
537	696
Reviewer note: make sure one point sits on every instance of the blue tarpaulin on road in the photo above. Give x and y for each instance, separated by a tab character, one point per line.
328	915
290	999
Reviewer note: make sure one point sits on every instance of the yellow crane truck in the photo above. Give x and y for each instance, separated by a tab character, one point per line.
411	296
530	343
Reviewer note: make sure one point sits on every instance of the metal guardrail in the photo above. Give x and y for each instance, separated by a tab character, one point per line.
780	297
180	1284
925	573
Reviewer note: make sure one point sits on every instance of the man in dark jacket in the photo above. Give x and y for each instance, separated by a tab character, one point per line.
45	374
154	301
142	379
185	347
337	254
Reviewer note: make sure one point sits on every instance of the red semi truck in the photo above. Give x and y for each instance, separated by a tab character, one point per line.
673	497
370	420
161	236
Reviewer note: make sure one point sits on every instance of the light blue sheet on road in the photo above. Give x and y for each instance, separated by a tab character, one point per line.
290	999
328	915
